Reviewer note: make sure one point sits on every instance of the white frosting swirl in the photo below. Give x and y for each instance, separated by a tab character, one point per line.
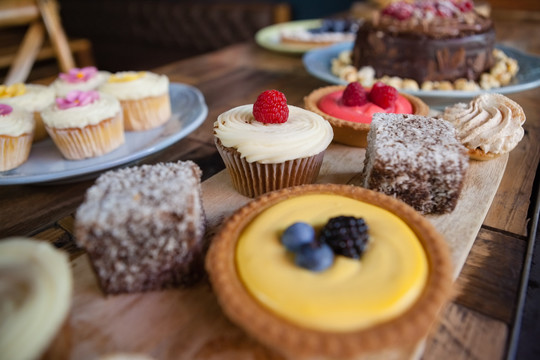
105	107
36	98
17	123
62	87
148	85
491	122
304	134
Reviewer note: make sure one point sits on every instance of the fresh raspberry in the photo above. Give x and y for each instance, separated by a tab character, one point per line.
399	10
354	95
383	95
271	107
465	6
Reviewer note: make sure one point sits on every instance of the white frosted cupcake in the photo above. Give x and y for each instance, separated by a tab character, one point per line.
83	79
271	145
144	97
16	133
29	97
85	124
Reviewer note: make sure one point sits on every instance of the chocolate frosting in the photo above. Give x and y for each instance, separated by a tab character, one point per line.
434	49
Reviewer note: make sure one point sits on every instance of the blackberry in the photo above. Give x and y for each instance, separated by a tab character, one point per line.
346	235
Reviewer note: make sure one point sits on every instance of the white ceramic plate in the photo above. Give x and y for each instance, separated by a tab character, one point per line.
269	37
317	63
46	165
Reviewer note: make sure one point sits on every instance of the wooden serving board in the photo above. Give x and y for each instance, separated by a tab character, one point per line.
188	323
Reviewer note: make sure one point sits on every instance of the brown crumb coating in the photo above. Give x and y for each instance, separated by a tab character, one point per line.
143	227
416	159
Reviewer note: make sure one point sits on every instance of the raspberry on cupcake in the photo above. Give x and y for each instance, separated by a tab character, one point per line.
16	133
144	97
271	145
85	124
349	109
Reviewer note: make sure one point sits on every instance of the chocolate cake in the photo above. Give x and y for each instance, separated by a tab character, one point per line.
416	159
428	40
143	227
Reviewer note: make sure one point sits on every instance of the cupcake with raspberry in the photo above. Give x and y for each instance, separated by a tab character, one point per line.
349	108
271	145
144	97
85	124
83	79
31	98
16	133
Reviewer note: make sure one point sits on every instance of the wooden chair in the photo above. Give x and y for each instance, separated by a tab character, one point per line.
42	18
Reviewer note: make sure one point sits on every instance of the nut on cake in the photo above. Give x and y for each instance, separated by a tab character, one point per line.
416	159
143	227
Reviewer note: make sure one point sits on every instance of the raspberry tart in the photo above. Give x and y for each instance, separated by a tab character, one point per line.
349	109
271	145
274	275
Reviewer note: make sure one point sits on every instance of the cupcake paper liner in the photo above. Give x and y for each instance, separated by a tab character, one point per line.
254	179
14	150
40	132
147	113
89	141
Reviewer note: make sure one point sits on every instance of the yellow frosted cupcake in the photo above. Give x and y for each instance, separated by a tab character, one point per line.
16	133
271	145
85	124
29	97
144	97
83	79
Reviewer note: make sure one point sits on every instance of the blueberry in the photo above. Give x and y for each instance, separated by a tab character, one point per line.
314	257
296	235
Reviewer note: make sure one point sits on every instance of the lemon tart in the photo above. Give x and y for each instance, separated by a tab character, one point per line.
387	299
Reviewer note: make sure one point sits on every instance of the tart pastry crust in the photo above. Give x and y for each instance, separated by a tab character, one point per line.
301	342
348	132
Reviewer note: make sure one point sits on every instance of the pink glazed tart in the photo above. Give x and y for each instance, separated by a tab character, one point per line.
351	123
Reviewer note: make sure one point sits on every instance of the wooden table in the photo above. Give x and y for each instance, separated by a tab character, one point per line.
476	325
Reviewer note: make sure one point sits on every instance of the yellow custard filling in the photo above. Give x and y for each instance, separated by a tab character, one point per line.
351	294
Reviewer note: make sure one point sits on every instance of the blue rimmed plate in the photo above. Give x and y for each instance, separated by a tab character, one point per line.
318	61
46	165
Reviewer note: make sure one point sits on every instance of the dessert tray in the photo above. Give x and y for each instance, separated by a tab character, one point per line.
269	37
189	323
318	61
46	165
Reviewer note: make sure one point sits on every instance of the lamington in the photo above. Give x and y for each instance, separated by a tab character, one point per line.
416	159
143	227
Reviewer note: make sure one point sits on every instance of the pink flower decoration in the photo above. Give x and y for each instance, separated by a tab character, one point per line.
76	98
5	109
77	75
